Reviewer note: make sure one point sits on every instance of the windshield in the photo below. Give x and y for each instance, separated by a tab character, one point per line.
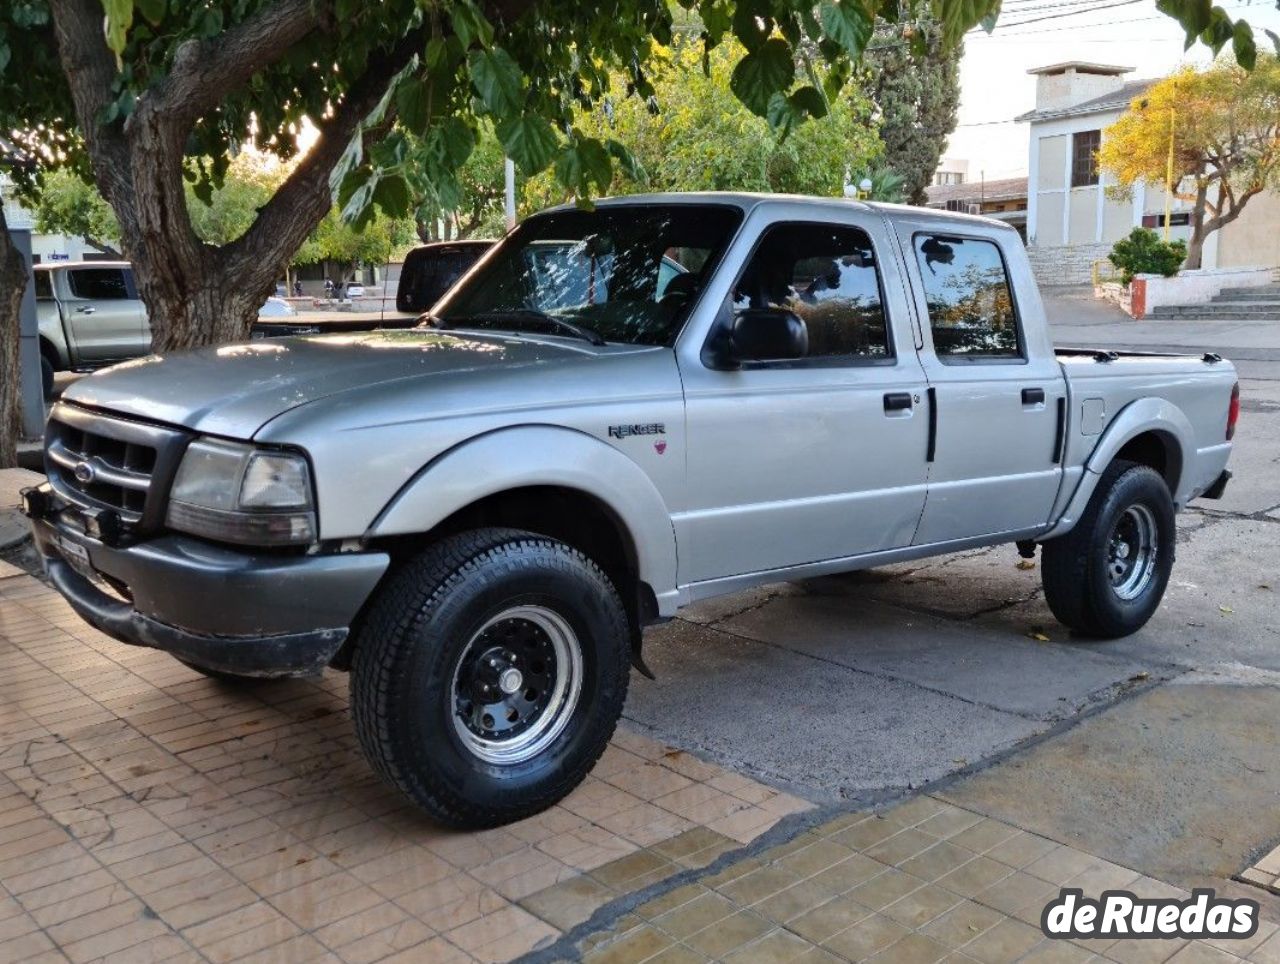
622	273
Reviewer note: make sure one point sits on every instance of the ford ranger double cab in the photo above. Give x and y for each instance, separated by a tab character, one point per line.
616	413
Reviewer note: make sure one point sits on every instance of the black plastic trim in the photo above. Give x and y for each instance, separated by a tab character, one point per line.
931	449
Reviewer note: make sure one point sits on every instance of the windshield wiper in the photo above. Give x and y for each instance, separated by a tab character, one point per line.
532	314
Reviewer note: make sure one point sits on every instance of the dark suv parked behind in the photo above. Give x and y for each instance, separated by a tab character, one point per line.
431	270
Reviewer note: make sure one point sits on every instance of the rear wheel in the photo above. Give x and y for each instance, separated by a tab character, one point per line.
1106	576
489	675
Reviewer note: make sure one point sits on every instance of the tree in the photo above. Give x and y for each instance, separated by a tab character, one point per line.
39	136
339	241
1225	123
68	204
913	78
170	80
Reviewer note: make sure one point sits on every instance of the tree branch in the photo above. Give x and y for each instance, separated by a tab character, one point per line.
204	71
305	197
91	70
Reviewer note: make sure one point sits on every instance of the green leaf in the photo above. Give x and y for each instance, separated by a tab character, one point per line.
470	25
763	73
529	141
497	80
1275	40
1194	15
1219	30
1243	45
119	18
391	193
153	10
413	105
847	23
959	15
585	163
5	53
356	194
627	162
748	25
809	101
458	140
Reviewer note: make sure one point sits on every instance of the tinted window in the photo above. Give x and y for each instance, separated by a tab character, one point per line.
44	285
99	284
627	272
827	276
970	305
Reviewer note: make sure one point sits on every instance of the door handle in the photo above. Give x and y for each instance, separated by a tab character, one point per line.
86	310
1033	396
897	401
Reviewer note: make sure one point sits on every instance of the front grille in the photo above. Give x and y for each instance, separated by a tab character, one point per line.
106	462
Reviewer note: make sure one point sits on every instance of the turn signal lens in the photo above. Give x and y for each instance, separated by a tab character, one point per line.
1233	413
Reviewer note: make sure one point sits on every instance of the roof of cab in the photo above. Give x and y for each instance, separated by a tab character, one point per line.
49	265
747	201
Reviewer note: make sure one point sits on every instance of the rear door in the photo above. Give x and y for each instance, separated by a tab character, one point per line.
101	306
818	458
998	392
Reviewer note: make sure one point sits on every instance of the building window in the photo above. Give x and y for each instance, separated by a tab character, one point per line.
1179	219
1084	157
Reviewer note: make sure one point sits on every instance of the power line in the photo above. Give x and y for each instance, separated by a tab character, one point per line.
1059	16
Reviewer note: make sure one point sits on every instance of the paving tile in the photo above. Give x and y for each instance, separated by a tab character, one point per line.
776	947
826	920
865	938
567	904
729	934
1006	941
638	944
962	923
913	949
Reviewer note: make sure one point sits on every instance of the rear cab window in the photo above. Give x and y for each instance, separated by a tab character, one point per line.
101	284
972	314
44	285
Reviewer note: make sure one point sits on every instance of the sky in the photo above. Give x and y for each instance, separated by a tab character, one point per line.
995	86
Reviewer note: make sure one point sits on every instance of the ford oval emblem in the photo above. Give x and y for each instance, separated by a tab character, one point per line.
84	473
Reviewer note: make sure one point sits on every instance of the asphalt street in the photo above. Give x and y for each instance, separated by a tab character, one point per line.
861	687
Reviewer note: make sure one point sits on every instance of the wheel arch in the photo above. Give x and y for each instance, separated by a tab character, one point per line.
1150	431
50	351
554	481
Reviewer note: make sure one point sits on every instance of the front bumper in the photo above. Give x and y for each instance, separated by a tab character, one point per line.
224	609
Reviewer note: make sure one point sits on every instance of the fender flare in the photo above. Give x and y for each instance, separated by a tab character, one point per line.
533	455
1138	417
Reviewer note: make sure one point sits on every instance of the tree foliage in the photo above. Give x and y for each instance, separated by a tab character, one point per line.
913	79
1225	123
68	204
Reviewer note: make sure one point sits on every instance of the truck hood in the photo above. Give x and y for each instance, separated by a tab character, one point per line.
233	390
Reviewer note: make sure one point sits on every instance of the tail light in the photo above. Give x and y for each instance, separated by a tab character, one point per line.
1233	412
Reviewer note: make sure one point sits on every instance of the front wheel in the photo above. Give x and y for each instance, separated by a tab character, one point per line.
489	675
1106	576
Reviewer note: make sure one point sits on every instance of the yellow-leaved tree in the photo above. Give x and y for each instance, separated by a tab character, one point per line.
1225	123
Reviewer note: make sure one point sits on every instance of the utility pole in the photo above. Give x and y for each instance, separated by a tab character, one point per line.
1168	177
509	168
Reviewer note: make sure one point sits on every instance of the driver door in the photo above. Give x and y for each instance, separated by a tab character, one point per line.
804	460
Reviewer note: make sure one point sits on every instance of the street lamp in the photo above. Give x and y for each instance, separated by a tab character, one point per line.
864	187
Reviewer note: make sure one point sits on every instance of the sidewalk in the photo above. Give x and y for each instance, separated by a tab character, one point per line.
924	881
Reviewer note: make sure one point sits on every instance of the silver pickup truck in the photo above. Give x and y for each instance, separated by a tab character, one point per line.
616	413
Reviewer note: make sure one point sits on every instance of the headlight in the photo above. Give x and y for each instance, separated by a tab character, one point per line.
237	493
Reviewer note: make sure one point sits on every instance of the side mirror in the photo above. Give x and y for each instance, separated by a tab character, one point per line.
767	334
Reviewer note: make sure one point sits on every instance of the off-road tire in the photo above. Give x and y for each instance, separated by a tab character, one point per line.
415	633
1074	566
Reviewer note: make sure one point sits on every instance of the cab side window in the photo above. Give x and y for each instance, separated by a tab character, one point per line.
100	284
826	275
44	286
971	309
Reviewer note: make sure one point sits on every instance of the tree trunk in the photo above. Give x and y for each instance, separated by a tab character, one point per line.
13	282
1195	246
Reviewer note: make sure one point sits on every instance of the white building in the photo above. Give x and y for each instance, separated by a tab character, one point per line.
1071	221
951	171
